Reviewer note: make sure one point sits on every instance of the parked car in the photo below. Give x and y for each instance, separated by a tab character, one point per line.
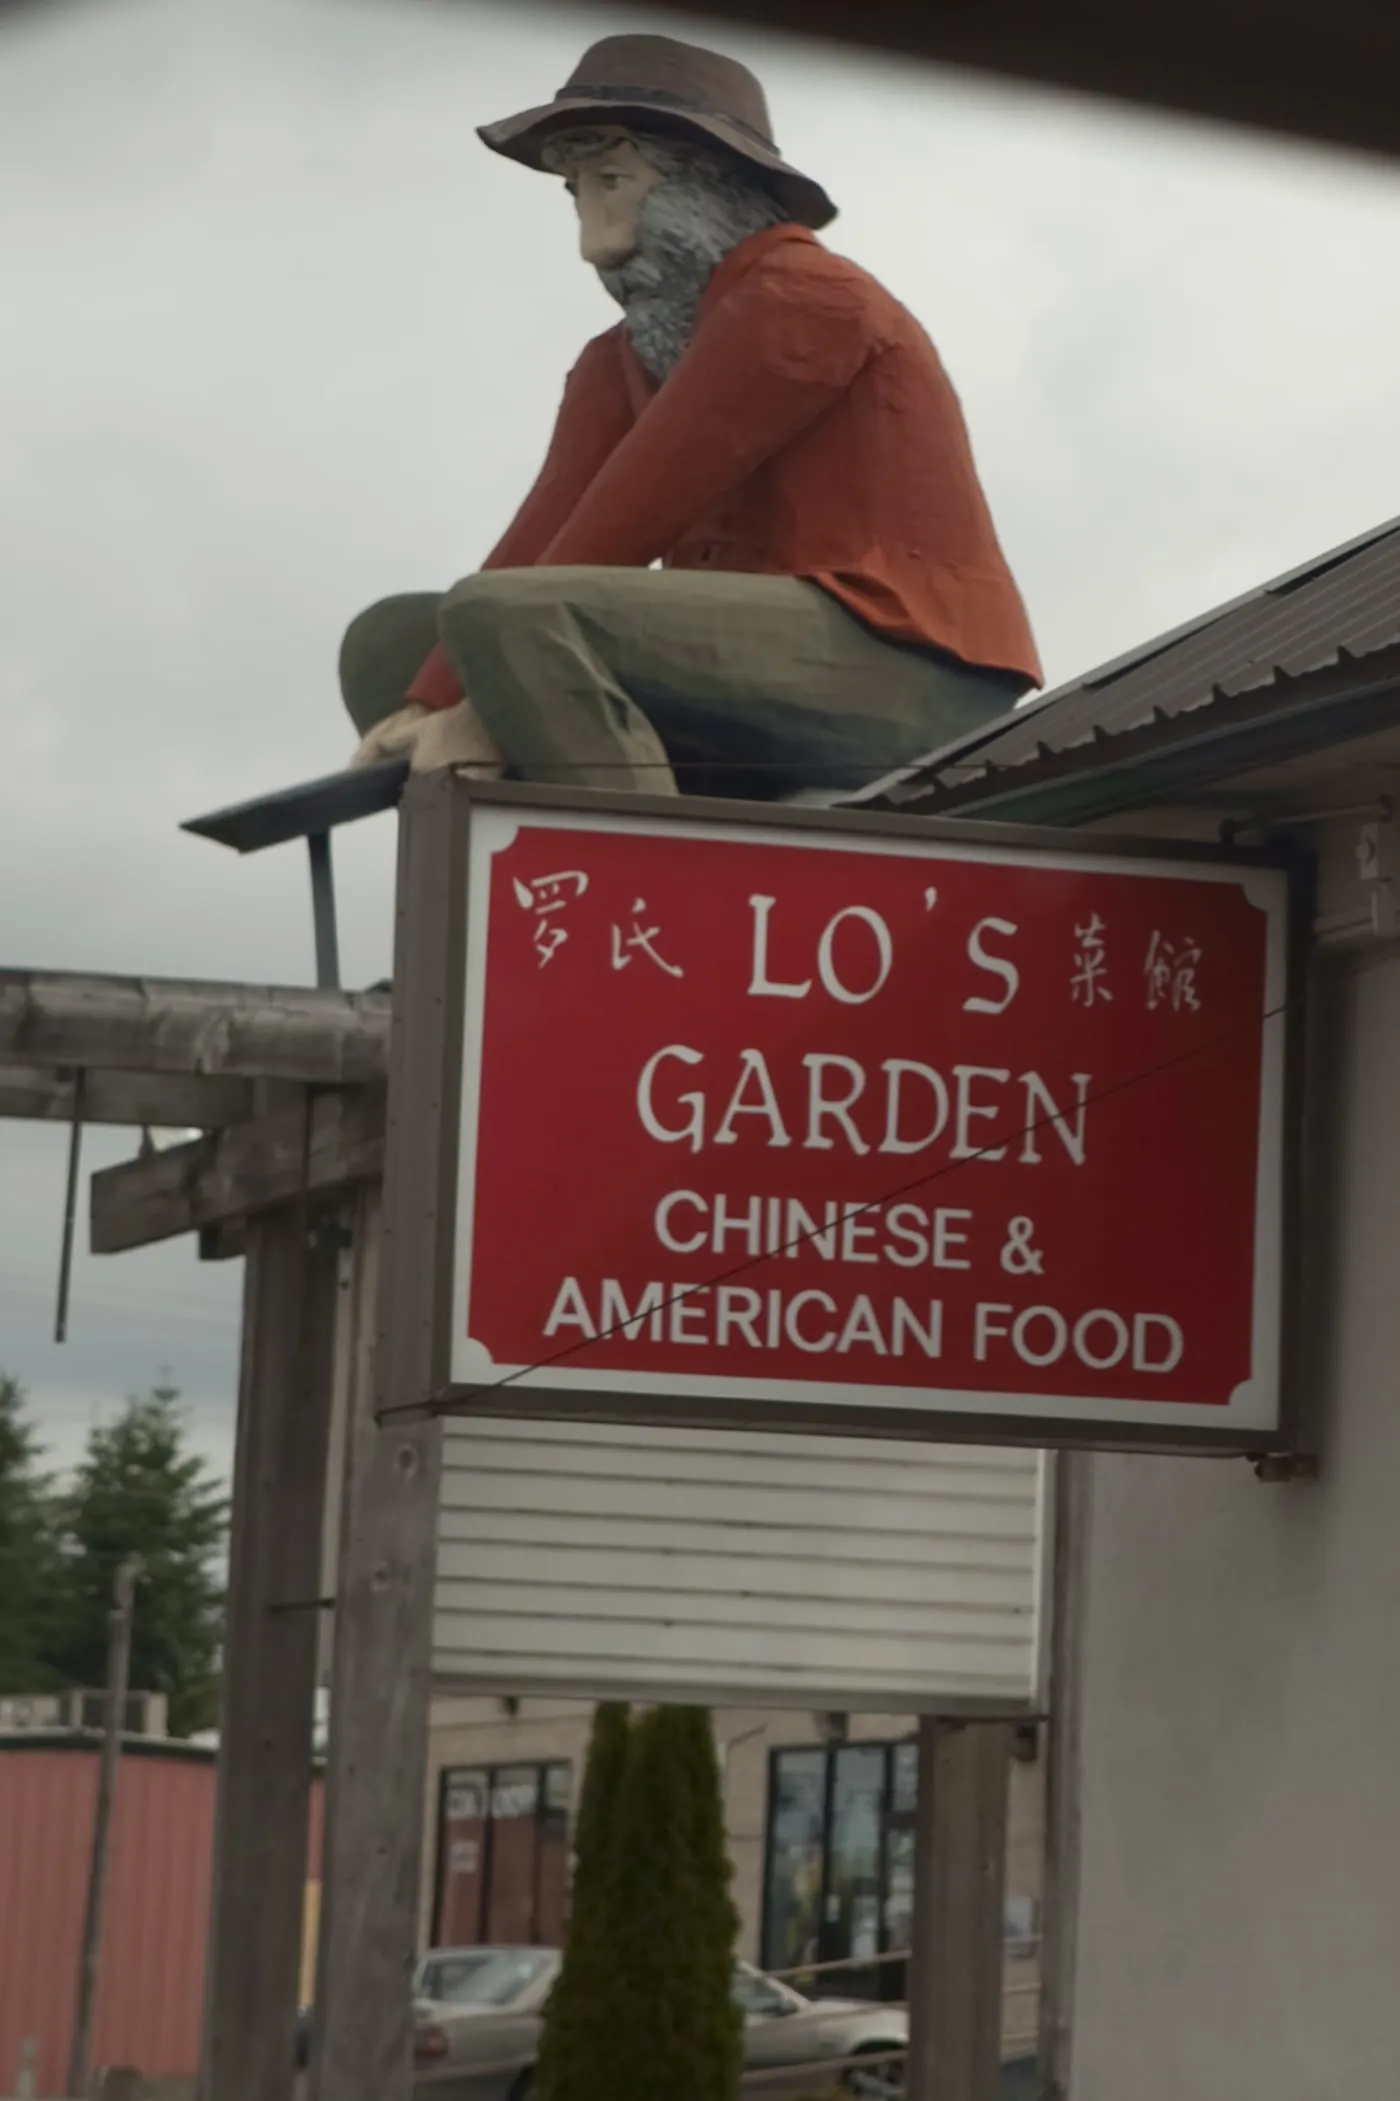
443	1972
439	1975
480	2043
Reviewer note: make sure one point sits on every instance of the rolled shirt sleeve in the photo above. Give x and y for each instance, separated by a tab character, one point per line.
594	416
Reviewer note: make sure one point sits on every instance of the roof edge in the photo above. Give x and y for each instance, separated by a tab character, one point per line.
1099	778
946	755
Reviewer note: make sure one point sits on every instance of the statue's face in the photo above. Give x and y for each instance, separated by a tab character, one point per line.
609	186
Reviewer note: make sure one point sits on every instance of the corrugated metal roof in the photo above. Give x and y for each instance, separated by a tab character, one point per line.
1343	605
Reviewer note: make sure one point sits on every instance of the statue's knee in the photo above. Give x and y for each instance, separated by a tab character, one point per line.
352	647
362	643
484	607
382	652
462	608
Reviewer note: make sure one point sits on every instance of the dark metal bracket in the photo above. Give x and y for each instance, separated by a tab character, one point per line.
311	811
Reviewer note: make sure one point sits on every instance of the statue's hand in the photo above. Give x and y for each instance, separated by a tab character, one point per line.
456	737
393	735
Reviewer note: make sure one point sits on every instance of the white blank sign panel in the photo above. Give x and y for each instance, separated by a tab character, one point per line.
730	1566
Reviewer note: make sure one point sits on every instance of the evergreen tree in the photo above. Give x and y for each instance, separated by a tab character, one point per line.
580	2035
140	1490
650	1891
672	1921
719	2028
28	1552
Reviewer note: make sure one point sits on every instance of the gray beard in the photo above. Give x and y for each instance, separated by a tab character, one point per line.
686	227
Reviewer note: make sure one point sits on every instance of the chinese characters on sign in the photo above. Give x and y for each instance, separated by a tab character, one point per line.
546	897
1089	982
639	941
1170	970
750	1114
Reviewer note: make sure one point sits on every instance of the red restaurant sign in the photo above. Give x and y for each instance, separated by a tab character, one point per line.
866	1124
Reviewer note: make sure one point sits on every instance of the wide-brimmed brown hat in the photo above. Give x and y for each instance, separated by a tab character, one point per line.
659	84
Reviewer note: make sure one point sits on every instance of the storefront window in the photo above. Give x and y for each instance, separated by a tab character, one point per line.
797	1823
851	1921
839	1873
899	1861
904	1788
462	1825
503	1856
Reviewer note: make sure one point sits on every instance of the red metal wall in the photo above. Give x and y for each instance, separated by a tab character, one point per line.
156	1914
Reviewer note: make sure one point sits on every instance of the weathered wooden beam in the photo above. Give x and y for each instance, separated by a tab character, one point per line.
267	1703
167	1100
179	1025
226	1243
353	1430
247	1168
381	1672
1073	1479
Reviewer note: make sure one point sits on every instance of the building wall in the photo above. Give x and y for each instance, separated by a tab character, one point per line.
151	1977
1241	1834
479	1732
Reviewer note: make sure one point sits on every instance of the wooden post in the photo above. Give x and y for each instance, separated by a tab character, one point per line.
352	1425
113	1724
1062	1812
268	1699
353	1433
381	1672
955	1960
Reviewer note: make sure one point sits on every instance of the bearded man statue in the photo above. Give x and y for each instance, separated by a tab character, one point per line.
757	558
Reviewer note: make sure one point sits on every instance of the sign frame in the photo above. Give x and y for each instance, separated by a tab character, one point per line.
425	1088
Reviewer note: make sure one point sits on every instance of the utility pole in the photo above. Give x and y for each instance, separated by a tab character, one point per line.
113	1717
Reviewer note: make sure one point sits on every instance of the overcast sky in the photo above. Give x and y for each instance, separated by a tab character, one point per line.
277	335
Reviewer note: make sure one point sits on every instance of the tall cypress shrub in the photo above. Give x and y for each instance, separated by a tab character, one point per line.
718	2042
581	2038
672	1917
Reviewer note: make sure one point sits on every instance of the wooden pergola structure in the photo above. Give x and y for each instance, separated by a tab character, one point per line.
334	1504
286	1086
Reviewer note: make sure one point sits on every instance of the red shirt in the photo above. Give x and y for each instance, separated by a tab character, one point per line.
809	430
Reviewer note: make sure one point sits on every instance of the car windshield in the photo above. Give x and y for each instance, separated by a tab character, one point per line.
759	1996
497	1977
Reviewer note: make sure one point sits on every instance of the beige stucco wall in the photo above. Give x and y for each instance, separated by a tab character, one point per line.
1241	1708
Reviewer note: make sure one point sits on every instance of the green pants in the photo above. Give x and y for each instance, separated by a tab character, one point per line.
651	679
